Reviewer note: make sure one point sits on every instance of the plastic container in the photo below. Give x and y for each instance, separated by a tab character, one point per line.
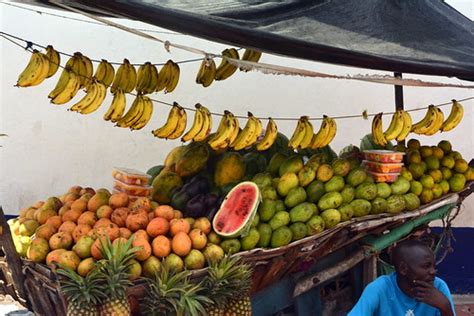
384	177
381	167
136	190
130	176
383	155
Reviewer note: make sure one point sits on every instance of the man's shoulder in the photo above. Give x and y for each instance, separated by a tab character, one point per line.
381	282
439	283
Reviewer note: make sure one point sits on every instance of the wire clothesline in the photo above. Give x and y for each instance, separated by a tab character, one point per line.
363	115
41	12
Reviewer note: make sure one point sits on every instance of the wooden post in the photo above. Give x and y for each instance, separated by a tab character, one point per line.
12	258
369	270
399	97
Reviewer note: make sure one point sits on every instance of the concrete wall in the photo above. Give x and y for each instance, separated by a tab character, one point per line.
50	149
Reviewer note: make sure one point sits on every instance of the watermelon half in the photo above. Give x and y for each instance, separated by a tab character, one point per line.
237	210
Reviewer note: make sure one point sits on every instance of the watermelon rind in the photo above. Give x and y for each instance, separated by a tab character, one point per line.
244	228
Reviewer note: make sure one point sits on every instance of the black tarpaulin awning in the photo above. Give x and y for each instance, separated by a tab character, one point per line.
410	36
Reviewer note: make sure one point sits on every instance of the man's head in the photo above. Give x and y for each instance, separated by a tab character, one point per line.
414	261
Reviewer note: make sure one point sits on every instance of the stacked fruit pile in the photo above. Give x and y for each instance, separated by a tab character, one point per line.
69	230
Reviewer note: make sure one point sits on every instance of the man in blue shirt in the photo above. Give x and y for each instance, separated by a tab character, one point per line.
413	290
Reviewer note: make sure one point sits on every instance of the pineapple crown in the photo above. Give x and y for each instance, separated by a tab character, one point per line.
81	290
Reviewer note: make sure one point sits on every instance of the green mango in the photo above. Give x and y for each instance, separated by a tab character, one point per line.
295	196
336	184
330	200
303	212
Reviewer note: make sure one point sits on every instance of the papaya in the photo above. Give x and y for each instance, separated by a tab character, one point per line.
229	168
292	164
192	159
254	163
164	185
173	157
275	163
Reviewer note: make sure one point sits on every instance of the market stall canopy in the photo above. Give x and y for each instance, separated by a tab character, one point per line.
411	36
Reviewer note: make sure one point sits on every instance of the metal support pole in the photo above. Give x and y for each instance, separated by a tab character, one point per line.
399	97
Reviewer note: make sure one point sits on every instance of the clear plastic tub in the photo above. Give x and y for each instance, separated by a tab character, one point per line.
384	177
381	167
130	176
136	190
383	155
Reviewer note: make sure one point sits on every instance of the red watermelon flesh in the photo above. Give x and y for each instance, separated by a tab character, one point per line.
237	210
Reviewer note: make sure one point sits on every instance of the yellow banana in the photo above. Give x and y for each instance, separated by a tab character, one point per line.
377	131
437	124
153	79
197	124
427	122
206	125
247	136
171	123
145	116
133	114
117	107
454	118
97	102
125	78
308	134
298	134
236	129
61	84
105	73
164	76
331	134
220	139
226	69
69	90
35	72
89	70
79	67
251	55
143	78
92	92
407	123
322	134
395	127
173	79
207	72
54	60
182	122
270	136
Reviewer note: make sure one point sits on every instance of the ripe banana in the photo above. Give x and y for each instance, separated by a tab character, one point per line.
249	134
437	124
125	78
236	131
133	114
89	70
173	78
227	127
145	115
105	73
322	133
54	60
454	118
182	121
426	122
143	78
93	99
377	130
226	69
206	125
251	55
331	133
207	72
395	127
164	76
153	79
197	124
80	67
176	114
117	107
407	123
308	133
298	134
270	136
35	72
67	87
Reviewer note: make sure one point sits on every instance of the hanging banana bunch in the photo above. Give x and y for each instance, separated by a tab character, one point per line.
207	72
35	72
249	134
147	78
225	68
454	118
96	92
54	60
117	107
431	123
326	133
82	66
271	133
125	78
138	115
66	88
168	77
226	132
377	130
201	127
105	73
251	55
175	124
399	128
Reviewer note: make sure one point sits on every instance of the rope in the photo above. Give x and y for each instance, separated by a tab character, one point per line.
29	47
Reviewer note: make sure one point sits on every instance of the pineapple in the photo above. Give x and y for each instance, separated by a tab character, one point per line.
228	283
82	293
114	269
171	293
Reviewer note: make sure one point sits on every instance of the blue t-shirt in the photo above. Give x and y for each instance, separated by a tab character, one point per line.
383	297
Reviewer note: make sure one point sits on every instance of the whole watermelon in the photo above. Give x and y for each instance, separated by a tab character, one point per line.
367	143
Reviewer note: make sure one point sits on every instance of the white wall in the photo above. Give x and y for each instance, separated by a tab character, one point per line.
50	149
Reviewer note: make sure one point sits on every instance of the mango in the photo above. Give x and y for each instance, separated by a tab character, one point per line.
299	230
250	241
361	207
348	194
266	210
295	196
262	180
346	212
416	187
265	232
275	162
292	164
281	237
315	190
315	225
279	206
356	177
412	201
331	217
379	205
269	193
341	167
400	186
287	182
324	173
330	200
306	175
396	204
230	246
383	190
303	212
456	182
336	184
279	219
366	191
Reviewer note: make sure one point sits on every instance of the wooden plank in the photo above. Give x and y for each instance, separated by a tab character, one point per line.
369	269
